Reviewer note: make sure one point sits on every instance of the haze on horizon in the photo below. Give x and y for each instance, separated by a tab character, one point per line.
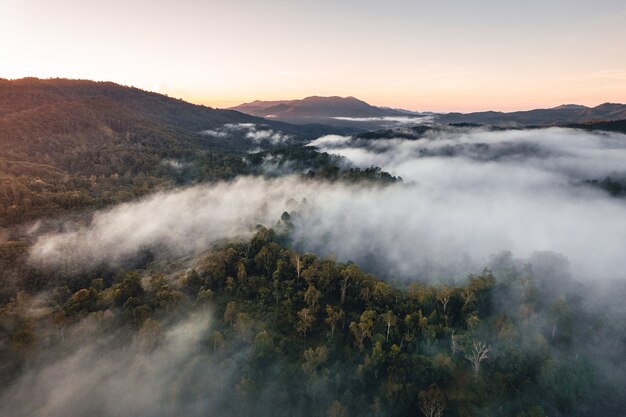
449	56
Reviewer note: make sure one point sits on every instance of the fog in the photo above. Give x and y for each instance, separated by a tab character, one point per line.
250	131
390	121
467	197
161	371
564	154
467	194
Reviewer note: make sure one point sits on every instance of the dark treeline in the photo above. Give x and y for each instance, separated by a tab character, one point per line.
615	187
293	334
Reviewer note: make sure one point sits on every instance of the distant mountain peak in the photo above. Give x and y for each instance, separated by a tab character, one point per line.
563	114
608	105
571	107
316	108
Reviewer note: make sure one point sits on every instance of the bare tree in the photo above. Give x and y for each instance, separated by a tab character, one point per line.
296	262
468	297
241	271
454	343
390	320
432	402
347	274
443	296
60	321
477	353
363	329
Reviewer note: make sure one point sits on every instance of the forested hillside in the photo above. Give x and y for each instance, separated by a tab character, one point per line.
265	330
72	144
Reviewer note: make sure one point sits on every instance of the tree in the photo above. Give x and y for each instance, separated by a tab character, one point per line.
242	274
216	339
348	274
468	297
480	287
337	409
363	329
262	344
432	402
428	330
264	258
168	298
305	322
193	281
130	287
381	292
82	301
311	297
443	297
313	359
150	333
333	317
243	326
390	320
60	320
204	297
297	263
230	313
477	353
454	342
230	284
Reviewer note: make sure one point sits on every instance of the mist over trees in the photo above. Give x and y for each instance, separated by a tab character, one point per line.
159	258
254	327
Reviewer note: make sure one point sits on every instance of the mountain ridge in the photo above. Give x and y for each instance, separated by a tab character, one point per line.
351	111
315	107
563	114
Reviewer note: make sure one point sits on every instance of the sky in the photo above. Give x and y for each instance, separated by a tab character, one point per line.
419	55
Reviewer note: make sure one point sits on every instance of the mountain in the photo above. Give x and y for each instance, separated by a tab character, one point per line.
353	113
335	111
564	114
612	126
315	107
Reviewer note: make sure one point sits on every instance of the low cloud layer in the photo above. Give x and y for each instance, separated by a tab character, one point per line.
250	131
178	223
564	154
467	194
390	120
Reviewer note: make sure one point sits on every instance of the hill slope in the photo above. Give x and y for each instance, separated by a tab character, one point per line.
28	94
564	114
73	143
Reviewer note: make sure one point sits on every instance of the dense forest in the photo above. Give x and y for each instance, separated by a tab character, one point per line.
293	334
255	324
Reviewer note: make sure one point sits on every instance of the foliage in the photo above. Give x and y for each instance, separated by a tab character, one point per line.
337	337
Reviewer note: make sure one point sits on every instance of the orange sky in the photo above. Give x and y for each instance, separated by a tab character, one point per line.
448	56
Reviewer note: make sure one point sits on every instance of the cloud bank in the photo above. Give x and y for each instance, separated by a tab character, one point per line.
250	131
390	120
467	195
